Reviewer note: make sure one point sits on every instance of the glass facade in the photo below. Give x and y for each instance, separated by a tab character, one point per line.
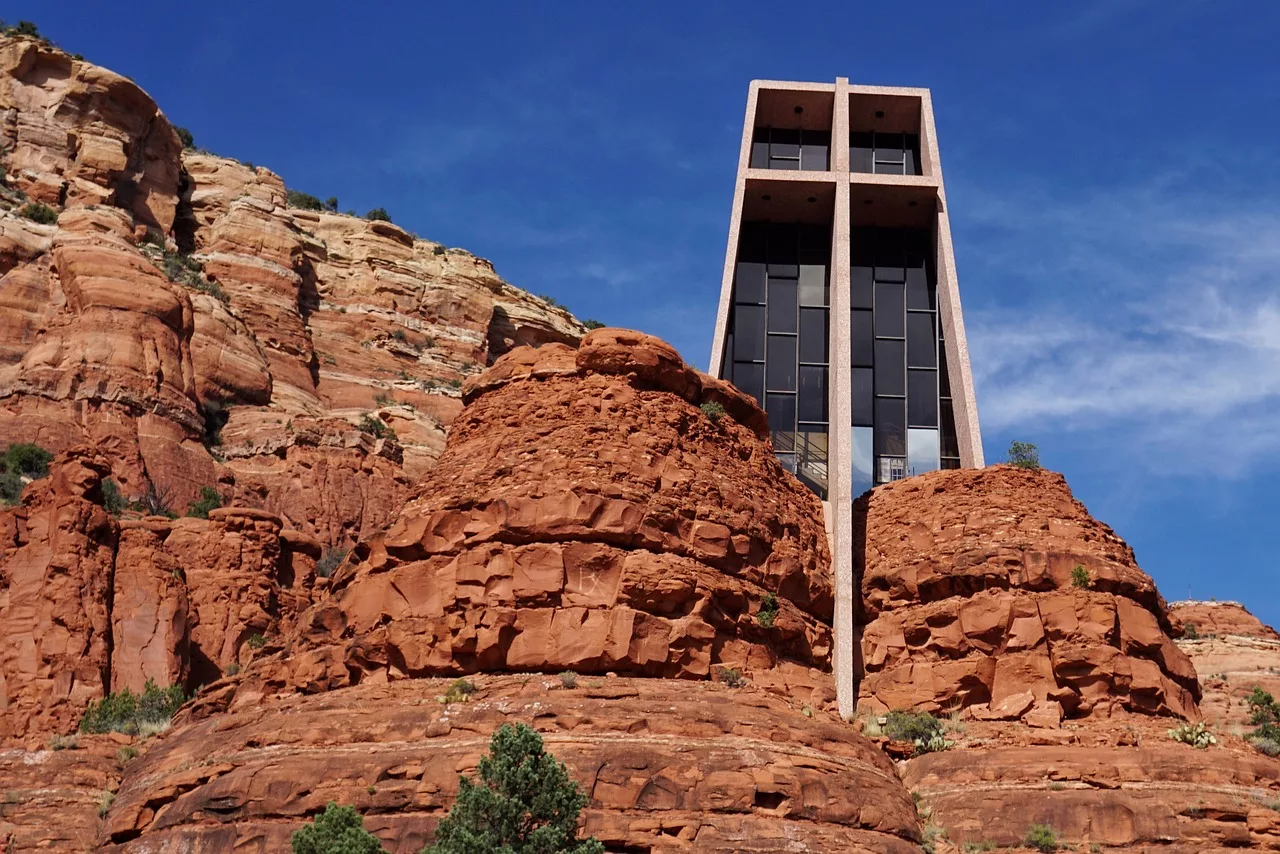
777	348
790	148
901	399
884	153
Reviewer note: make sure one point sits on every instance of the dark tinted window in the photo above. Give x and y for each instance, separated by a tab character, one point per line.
890	371
921	341
891	426
861	152
782	305
890	318
944	378
813	335
781	374
860	287
748	332
922	398
759	155
861	338
862	396
813	285
813	393
750	283
749	377
950	446
784	143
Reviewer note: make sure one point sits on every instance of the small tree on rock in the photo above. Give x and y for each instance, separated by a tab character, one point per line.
338	830
524	803
1024	455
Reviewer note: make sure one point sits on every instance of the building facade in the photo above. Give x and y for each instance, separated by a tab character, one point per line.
839	307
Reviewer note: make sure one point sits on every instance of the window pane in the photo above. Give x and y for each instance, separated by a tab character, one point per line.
815	244
811	457
726	366
950	445
813	285
861	153
891	426
782	420
759	155
922	451
750	283
944	379
922	398
782	248
888	147
815	137
890	314
887	168
922	342
950	463
748	333
813	335
812	405
890	370
782	305
912	145
788	461
781	371
919	293
886	273
890	469
860	287
862	397
749	378
751	245
784	143
862	457
813	157
887	243
861	338
783	163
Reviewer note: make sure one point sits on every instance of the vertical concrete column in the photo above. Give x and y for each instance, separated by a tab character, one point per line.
735	226
963	398
840	479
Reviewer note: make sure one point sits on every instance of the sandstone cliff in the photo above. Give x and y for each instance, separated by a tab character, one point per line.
181	318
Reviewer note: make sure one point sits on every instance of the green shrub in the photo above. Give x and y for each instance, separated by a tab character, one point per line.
460	691
1190	632
1197	735
1080	577
126	754
379	214
1263	708
306	201
25	28
1041	837
337	830
330	561
184	136
768	610
26	458
712	410
375	427
112	501
592	323
1024	455
37	212
384	399
331	204
569	679
209	500
439	250
524	802
922	729
256	641
455	383
732	677
10	487
551	301
127	712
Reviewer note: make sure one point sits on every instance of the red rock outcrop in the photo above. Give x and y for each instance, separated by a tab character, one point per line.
1234	653
969	601
302	318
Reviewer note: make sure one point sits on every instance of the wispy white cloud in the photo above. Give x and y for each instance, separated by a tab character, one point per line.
1147	316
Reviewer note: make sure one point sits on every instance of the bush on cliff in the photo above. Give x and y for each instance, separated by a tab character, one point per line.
37	212
306	201
1042	837
185	137
379	214
209	500
1024	455
330	561
127	712
524	803
337	830
21	459
922	729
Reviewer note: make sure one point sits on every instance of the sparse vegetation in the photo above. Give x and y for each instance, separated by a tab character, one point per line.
1197	735
306	201
21	460
460	691
1264	713
732	677
712	410
768	610
185	137
974	847
331	204
551	301
1190	632
154	502
22	28
438	250
375	427
523	802
37	212
104	804
256	641
922	729
112	501
569	679
330	561
1080	577
127	712
455	383
1041	837
384	399
379	214
209	500
126	754
184	270
592	323
337	830
1024	455
64	742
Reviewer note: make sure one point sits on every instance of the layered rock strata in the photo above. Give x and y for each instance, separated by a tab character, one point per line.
995	589
285	341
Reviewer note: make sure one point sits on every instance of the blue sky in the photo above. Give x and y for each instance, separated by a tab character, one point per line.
1110	170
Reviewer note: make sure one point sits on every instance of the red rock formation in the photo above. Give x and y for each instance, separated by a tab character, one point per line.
968	600
50	798
1233	652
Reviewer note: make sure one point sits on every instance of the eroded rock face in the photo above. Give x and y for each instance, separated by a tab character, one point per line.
668	766
1233	652
576	521
312	319
969	601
